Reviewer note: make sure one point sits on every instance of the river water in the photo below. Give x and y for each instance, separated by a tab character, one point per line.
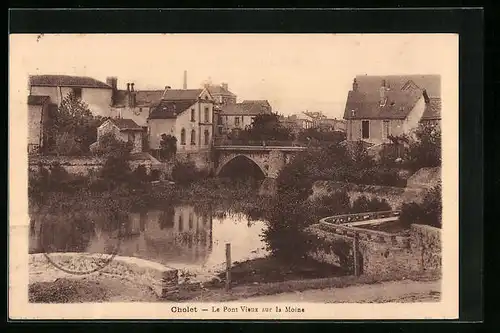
177	235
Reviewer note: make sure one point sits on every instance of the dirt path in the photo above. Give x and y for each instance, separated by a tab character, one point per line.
395	291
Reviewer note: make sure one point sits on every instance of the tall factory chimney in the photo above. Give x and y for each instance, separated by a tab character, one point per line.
184	86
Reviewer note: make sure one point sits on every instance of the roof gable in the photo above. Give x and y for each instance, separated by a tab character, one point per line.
66	81
125	124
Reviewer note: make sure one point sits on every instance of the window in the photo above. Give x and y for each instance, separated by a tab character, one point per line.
193	137
365	129
131	137
220	121
77	92
386	129
236	121
207	137
181	223
207	116
191	218
192	115
183	136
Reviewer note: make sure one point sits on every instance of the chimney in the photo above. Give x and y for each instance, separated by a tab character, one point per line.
355	85
426	97
128	87
224	86
165	91
132	87
382	93
112	81
184	86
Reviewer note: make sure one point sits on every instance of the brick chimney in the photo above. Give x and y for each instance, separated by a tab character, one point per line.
185	84
165	91
355	85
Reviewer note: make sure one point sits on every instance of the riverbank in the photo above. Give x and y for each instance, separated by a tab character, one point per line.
226	194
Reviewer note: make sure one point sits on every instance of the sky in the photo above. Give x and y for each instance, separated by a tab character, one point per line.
295	72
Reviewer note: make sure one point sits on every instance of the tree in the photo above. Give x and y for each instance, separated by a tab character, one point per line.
268	127
73	121
168	146
425	149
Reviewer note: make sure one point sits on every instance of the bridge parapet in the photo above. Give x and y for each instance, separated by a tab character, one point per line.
256	143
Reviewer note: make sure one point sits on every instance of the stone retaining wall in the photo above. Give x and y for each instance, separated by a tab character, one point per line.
162	279
80	165
382	253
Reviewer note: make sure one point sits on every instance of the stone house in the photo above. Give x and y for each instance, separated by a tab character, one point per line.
96	94
186	114
38	113
125	130
381	106
240	116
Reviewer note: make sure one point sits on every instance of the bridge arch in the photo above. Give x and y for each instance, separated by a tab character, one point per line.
234	157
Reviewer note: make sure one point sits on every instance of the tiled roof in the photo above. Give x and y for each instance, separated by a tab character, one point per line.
402	94
126	124
213	89
169	109
250	109
257	101
66	81
37	100
142	97
432	110
181	94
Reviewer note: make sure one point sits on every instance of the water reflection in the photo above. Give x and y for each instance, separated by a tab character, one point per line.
180	236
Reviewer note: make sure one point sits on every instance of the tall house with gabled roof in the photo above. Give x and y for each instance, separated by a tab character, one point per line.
186	114
378	107
96	94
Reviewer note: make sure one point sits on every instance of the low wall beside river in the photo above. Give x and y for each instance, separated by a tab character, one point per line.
162	279
418	250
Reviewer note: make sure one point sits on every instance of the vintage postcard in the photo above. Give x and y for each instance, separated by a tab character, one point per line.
233	176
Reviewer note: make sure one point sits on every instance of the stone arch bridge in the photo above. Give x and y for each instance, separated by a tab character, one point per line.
269	158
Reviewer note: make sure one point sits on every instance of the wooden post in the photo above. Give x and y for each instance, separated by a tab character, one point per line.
355	254
228	266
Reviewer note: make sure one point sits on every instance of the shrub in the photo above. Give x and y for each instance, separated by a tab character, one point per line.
185	173
168	146
140	176
363	205
116	170
336	203
429	212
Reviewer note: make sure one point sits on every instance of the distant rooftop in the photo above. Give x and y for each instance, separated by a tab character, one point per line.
66	81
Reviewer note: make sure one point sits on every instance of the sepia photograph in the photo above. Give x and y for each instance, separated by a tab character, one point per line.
225	175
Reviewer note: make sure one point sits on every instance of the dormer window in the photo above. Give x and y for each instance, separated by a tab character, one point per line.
353	113
383	102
